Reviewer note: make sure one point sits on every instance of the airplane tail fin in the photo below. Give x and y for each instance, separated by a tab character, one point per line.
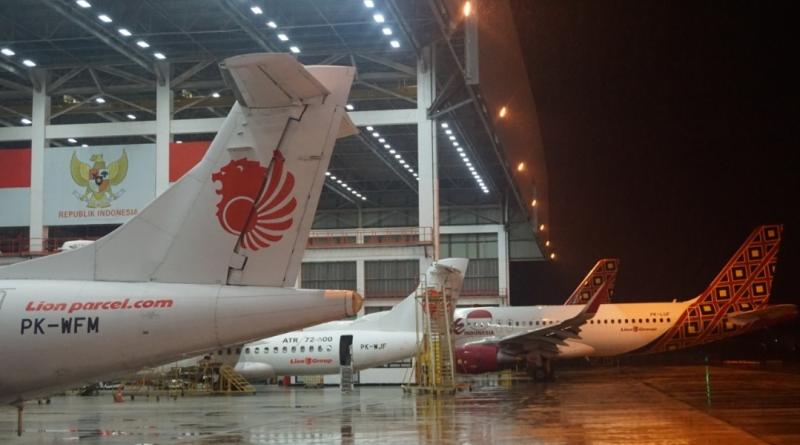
242	214
447	273
604	271
743	285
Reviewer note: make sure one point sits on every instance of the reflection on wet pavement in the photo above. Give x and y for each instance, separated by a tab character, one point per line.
663	405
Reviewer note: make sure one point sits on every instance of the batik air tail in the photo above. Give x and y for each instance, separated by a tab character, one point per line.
604	271
735	302
373	340
205	265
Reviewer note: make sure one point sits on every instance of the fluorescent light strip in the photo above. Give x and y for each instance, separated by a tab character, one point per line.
344	185
392	151
467	163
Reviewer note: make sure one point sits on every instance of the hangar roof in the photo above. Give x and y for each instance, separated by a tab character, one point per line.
117	49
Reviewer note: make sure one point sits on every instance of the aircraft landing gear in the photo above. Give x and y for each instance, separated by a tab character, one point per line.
19	406
541	369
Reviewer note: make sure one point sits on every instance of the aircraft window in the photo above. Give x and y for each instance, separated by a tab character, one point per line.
605	321
266	349
626	321
257	349
238	351
530	323
246	350
668	320
516	323
612	321
647	320
537	322
329	348
219	352
284	350
294	349
275	349
311	348
660	320
302	349
229	351
640	320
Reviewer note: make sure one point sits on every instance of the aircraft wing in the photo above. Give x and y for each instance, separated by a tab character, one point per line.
546	339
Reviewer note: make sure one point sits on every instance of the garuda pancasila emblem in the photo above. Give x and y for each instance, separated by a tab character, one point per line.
97	179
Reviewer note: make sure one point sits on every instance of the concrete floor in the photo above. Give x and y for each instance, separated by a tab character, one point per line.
659	405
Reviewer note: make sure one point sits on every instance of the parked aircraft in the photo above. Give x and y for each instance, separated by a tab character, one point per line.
205	265
734	303
372	340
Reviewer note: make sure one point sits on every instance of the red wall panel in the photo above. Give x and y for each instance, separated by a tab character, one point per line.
182	157
15	167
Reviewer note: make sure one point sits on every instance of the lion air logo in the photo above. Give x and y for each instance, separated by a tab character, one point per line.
261	223
97	179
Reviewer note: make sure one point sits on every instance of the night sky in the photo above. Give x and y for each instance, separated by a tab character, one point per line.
670	133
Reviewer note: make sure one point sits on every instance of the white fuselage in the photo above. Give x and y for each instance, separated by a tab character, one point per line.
323	350
63	333
615	329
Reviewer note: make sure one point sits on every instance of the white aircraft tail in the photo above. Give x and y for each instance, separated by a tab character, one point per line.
446	273
243	213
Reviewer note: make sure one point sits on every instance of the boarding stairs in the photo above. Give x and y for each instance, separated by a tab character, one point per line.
346	377
434	368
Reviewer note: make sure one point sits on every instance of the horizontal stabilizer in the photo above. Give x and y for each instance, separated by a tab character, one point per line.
764	317
348	128
279	82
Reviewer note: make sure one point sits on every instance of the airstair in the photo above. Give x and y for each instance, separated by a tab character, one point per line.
434	364
346	377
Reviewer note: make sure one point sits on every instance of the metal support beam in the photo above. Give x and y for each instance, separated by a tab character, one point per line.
164	102
125	75
427	160
386	91
186	75
40	117
454	107
342	194
16	86
232	8
393	166
181	126
389	63
97	31
56	84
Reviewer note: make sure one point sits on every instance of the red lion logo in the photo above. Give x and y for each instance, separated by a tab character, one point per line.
261	222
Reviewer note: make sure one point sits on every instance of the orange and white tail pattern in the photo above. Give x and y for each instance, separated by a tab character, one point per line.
743	285
604	271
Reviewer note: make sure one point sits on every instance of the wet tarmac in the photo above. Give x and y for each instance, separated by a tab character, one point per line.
660	405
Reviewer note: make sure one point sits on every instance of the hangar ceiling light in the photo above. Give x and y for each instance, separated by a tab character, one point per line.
272	24
294	49
283	37
257	10
29	63
467	162
25	121
83	4
124	32
369	3
142	44
397	156
379	18
104	18
7	52
338	181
